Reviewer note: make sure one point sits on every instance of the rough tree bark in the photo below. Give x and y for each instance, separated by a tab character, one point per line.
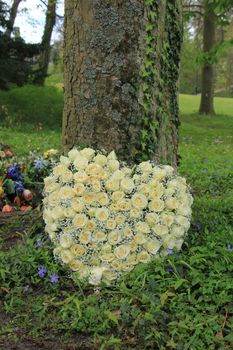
44	56
207	77
13	14
120	77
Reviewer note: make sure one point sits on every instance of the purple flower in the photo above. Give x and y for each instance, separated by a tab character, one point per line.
229	246
39	244
42	271
54	278
170	251
40	163
14	172
26	288
19	186
168	268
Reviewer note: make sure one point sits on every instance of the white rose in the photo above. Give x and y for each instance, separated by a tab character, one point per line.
102	214
153	246
169	170
77	205
76	265
122	251
178	231
182	221
69	213
65	160
152	219
160	230
87	153
67	176
113	165
96	275
112	185
81	176
73	154
156	205
100	159
184	210
66	241
66	256
167	218
57	213
112	156
66	192
80	220
80	162
159	173
145	166
142	227
118	175
127	185
114	237
139	201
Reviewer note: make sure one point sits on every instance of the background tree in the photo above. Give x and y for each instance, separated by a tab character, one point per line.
45	49
120	77
13	14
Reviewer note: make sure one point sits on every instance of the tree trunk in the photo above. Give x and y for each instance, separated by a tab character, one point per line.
207	79
13	14
121	61
45	43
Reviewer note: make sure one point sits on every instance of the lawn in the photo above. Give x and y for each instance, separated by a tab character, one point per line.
182	301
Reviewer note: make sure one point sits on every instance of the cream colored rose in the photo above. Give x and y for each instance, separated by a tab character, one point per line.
153	246
107	257
102	198
48	181
122	251
66	192
96	185
140	238
158	173
169	241
81	176
102	214
76	265
69	229
85	236
170	191
65	160
156	192
171	203
182	221
127	232
52	187
66	241
112	185
96	275
77	204
73	154
87	153
89	197
184	210
69	213
133	245
135	213
113	165
139	201
178	231
79	189
137	179
127	185
116	265
152	219
124	204
167	218
114	207
144	188
57	213
80	220
145	177
145	166
53	199
100	236
156	205
132	259
50	231
169	170
111	224
142	226
94	169
100	159
120	219
80	162
117	196
91	212
67	176
109	276
143	257
57	250
59	169
84	272
160	230
66	256
78	250
118	175
111	155
91	224
114	237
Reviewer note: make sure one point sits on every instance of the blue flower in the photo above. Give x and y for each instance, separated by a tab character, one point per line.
18	186
42	271
39	244
40	163
168	268
26	288
54	278
14	172
229	246
170	251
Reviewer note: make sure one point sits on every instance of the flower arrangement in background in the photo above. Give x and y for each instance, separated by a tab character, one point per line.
21	182
104	217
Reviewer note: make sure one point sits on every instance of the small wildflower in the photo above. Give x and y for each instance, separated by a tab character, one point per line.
170	251
54	278
229	246
39	244
168	268
42	271
26	288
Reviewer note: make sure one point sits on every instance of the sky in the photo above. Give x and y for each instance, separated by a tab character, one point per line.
31	21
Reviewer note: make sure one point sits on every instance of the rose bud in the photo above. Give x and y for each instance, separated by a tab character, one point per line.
17	201
9	154
25	208
27	194
2	154
7	209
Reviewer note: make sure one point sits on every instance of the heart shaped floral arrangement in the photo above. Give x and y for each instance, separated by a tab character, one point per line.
104	217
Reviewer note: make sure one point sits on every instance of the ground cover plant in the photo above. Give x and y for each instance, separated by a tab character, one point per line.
182	301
